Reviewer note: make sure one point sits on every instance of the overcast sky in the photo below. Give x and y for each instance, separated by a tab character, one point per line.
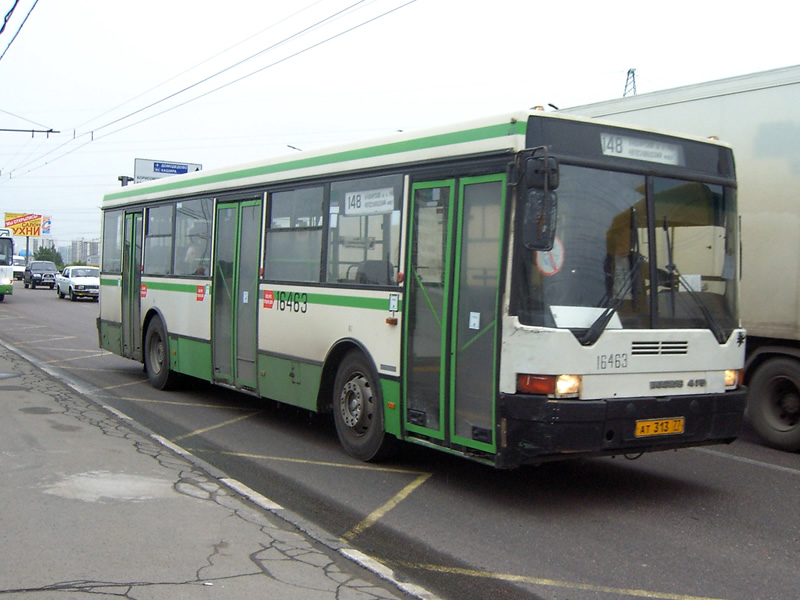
126	79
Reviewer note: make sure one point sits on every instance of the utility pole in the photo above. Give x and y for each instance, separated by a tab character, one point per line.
630	83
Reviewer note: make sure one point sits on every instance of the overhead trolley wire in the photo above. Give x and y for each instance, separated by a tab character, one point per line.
304	31
8	16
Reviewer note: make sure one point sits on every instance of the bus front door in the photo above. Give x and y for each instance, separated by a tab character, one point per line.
131	287
452	310
235	293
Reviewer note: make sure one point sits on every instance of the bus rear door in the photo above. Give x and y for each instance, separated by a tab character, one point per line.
132	287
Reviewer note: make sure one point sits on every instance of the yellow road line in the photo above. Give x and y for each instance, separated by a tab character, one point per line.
570	585
173	403
48	339
377	514
319	463
217	426
63	360
114	387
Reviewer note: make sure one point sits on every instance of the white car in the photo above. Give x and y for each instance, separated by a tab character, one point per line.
79	282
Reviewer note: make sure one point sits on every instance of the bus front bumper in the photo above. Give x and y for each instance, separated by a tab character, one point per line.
534	429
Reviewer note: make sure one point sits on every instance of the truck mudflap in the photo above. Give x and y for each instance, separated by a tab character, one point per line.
533	429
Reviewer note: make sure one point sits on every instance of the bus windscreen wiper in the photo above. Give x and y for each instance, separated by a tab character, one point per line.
713	325
612	301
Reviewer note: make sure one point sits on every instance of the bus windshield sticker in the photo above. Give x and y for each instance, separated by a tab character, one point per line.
370	202
622	146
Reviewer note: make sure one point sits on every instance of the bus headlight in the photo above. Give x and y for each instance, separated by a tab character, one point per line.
568	386
732	378
553	386
5	281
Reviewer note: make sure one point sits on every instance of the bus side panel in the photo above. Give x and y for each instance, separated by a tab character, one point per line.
291	381
192	357
299	327
185	307
110	336
109	323
391	406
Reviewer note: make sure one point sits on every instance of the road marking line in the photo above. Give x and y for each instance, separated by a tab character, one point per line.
172	402
217	426
379	513
63	360
319	463
49	339
113	387
749	461
550	582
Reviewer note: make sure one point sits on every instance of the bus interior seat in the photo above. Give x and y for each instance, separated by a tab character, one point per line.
375	272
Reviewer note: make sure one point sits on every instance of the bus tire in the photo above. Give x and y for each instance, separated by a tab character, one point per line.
773	403
358	410
156	356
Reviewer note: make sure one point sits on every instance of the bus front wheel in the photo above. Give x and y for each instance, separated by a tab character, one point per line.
358	410
156	356
774	403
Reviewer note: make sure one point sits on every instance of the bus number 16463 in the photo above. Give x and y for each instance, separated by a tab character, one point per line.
612	361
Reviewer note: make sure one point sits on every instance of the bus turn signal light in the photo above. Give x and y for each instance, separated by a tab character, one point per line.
554	386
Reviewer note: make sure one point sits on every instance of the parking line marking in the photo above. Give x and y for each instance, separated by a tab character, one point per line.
217	426
304	461
748	461
380	512
587	587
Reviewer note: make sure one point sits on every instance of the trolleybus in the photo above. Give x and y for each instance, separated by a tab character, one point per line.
514	290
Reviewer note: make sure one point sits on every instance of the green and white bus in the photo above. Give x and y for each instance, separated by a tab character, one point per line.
6	264
514	290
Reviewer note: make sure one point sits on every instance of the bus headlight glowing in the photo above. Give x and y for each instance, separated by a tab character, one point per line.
732	378
568	386
5	281
553	386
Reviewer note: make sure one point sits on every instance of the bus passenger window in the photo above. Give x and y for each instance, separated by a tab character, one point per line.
158	240
364	233
294	235
193	237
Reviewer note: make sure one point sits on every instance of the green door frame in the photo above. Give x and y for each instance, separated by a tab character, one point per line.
231	350
132	285
447	318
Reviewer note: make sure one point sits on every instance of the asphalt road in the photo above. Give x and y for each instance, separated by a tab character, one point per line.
715	523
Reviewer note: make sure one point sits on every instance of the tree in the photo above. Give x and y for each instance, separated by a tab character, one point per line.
49	254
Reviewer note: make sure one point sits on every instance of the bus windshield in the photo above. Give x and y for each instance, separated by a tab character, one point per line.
6	251
636	252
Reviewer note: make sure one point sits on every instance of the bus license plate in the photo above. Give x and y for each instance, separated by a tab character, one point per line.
650	427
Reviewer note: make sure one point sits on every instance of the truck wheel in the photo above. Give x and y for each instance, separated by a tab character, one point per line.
156	356
773	403
358	410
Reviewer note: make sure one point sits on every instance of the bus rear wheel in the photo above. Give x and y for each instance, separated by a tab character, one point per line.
156	356
774	403
358	410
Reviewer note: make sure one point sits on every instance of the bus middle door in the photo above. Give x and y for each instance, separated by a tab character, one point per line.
235	293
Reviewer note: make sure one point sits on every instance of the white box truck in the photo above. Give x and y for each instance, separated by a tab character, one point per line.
759	116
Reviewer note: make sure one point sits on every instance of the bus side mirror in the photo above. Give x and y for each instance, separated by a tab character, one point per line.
539	220
541	173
